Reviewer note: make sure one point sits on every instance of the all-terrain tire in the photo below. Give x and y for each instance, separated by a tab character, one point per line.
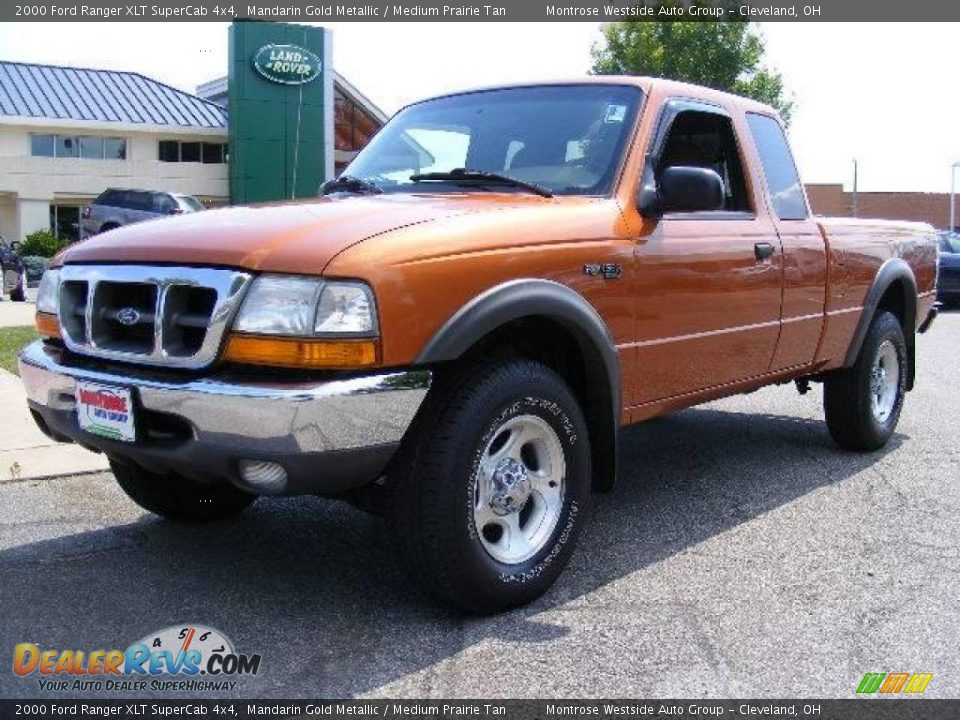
178	498
858	416
433	488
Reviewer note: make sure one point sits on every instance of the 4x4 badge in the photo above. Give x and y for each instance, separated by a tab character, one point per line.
610	271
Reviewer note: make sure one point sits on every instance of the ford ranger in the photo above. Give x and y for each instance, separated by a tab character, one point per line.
457	329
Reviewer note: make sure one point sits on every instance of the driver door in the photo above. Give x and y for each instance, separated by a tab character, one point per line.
709	283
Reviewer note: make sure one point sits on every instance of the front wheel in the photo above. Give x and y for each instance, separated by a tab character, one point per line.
492	486
178	498
862	403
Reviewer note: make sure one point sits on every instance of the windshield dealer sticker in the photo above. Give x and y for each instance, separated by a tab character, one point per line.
615	113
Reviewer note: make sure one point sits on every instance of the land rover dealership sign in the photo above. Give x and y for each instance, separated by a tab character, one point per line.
287	64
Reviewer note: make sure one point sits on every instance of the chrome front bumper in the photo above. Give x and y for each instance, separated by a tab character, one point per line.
329	435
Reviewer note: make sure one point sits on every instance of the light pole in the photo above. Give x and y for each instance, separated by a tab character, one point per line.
953	185
854	187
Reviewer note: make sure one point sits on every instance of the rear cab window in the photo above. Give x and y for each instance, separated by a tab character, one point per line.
779	169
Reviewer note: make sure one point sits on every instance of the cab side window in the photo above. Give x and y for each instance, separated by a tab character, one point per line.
707	140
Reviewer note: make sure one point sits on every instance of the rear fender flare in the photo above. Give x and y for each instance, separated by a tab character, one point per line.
892	270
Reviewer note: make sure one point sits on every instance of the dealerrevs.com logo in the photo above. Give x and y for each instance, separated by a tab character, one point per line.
183	657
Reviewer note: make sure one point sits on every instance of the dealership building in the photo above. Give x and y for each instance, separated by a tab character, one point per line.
68	133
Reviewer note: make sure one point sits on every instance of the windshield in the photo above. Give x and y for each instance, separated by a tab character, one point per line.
568	139
189	203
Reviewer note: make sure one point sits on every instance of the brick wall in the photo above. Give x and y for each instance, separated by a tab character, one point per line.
933	208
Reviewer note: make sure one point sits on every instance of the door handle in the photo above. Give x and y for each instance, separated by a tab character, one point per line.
763	250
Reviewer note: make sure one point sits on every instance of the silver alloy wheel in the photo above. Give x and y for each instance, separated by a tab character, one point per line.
884	382
518	489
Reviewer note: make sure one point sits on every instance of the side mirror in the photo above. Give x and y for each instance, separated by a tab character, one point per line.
15	246
689	189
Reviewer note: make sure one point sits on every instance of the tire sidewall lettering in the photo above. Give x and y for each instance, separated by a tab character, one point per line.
565	532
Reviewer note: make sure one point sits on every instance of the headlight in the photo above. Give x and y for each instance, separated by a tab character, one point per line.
49	292
307	307
345	309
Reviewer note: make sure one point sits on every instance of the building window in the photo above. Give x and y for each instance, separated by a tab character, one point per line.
88	147
353	126
91	147
114	149
169	151
65	221
42	145
213	152
67	146
182	151
189	152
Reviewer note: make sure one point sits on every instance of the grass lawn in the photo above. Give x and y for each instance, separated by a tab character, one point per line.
12	339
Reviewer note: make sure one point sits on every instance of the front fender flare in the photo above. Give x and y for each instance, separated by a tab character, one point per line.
533	297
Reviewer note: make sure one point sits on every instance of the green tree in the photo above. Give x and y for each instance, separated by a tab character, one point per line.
725	55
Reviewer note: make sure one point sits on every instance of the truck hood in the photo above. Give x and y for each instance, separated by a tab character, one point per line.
299	237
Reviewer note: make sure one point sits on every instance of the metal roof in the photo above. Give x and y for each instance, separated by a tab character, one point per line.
68	93
216	91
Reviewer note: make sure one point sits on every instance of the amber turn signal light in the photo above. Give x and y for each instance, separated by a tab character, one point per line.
47	325
297	352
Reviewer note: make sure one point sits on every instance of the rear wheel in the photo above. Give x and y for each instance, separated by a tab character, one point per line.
862	403
178	498
491	488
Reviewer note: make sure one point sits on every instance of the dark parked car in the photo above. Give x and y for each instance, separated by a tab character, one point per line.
11	268
948	271
115	207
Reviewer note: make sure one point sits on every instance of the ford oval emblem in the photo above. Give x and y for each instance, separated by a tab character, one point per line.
128	316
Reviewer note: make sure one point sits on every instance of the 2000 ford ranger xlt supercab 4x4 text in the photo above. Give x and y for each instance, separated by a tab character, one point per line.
455	332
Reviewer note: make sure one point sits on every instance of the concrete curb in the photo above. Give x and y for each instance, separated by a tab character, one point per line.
61	476
25	452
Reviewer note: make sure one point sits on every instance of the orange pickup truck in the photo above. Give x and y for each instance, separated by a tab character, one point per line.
455	331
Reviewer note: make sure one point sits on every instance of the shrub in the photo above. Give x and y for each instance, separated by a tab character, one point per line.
42	243
35	266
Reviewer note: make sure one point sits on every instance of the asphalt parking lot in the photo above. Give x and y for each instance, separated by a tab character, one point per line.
740	555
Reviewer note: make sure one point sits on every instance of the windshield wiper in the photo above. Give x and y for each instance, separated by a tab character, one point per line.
481	177
348	183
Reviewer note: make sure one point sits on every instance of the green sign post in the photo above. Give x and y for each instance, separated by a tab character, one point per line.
280	92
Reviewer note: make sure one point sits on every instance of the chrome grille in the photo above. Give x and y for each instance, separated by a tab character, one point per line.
171	316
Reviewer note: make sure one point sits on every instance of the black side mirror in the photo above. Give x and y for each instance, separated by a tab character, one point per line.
689	189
